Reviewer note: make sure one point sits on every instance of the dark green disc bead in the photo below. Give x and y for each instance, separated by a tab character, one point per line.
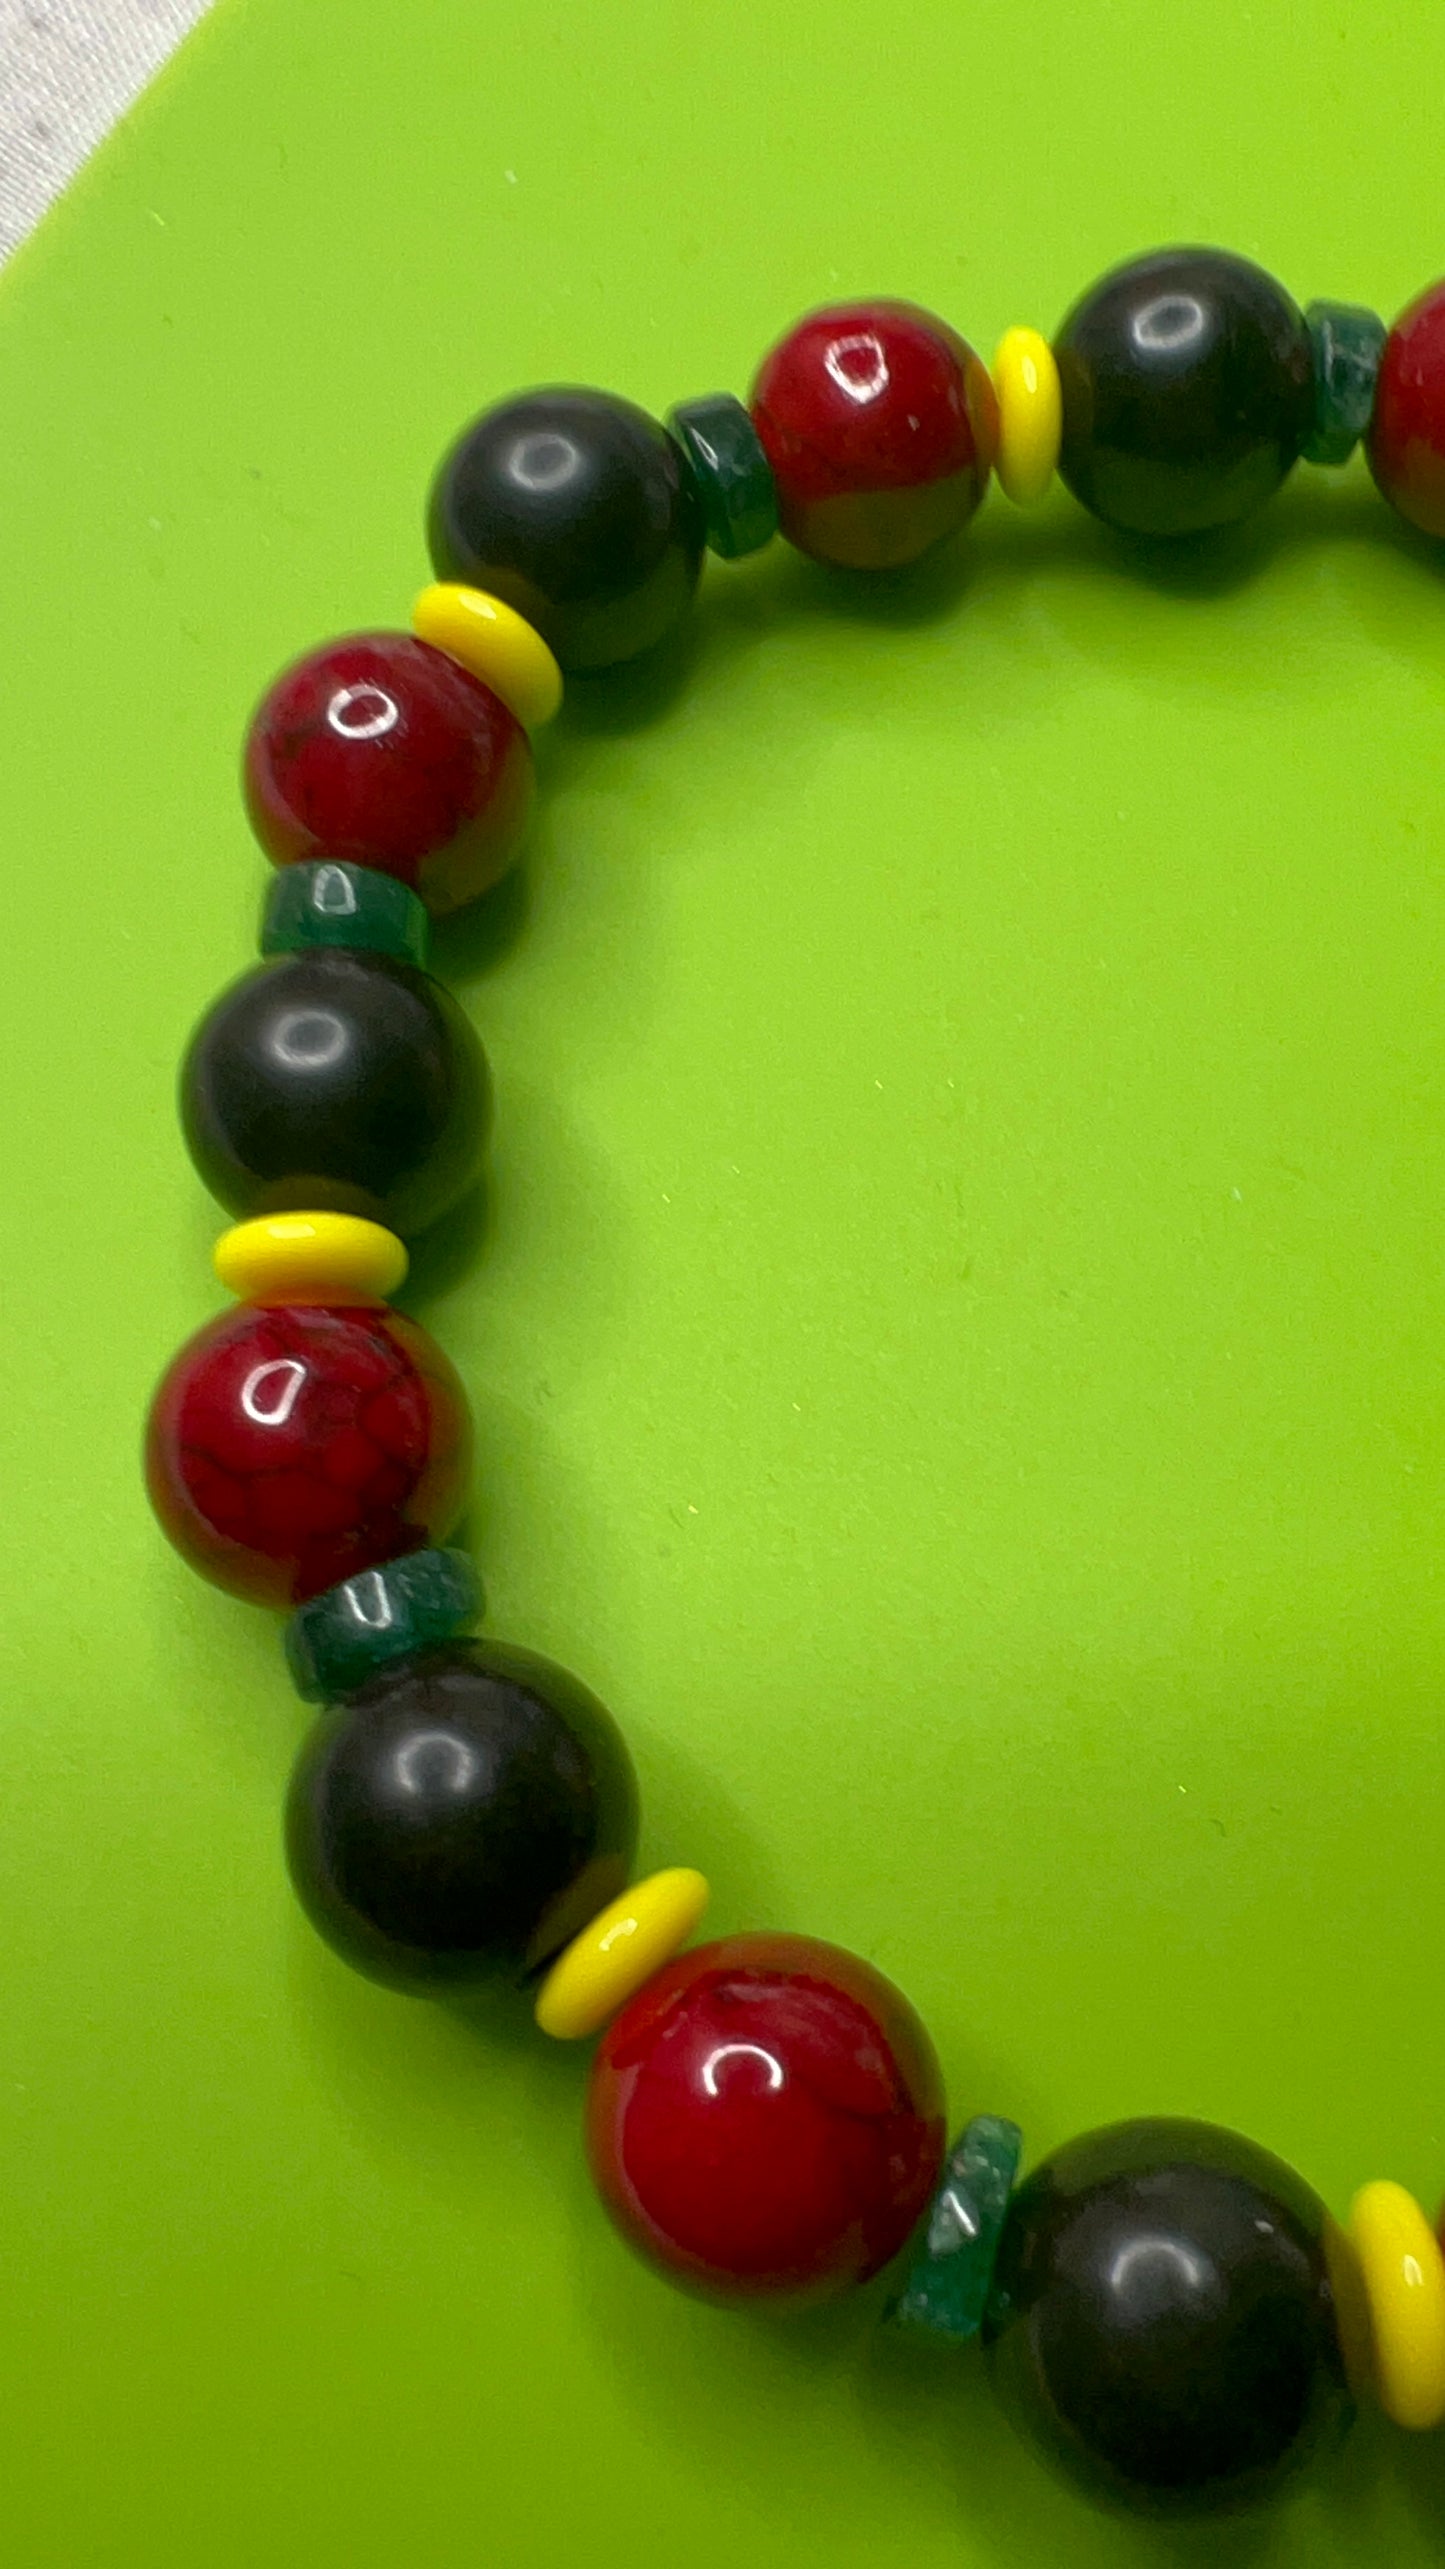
1347	342
339	1640
333	904
945	2292
730	473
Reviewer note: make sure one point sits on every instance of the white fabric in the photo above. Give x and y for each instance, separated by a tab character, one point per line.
68	69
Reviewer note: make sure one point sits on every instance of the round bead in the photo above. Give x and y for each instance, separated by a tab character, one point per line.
385	753
1030	415
945	2292
731	474
1162	2316
880	425
340	1083
464	1814
1188	391
1346	343
624	1945
1404	2279
290	1446
310	1257
574	507
1406	443
336	1642
765	2119
496	644
344	905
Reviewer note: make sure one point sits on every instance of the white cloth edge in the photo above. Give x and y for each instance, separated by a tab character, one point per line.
68	70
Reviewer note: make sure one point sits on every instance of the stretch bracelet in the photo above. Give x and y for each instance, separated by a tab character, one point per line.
1169	2308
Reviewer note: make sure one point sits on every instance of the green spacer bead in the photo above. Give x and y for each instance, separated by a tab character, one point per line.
1347	342
333	904
336	1641
946	2290
729	471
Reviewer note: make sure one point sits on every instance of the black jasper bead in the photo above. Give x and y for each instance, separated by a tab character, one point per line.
1161	2315
1187	386
577	509
331	1081
465	1813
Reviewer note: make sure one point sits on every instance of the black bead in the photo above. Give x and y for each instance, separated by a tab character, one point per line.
335	1082
577	509
466	1812
1187	383
1162	2316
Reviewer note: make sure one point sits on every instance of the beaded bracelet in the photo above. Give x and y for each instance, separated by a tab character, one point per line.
1169	2307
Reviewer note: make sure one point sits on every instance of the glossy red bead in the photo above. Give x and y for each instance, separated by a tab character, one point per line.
881	427
766	2118
290	1447
380	750
1406	440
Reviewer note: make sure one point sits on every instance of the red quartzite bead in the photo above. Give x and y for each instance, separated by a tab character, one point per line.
881	427
380	750
766	2118
290	1447
1406	441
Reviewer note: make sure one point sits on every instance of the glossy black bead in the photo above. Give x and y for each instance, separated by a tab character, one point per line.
578	510
465	1813
1162	2316
1187	382
336	1082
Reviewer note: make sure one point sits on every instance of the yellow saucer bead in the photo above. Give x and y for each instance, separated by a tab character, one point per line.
310	1257
625	1944
1030	414
495	643
1404	2279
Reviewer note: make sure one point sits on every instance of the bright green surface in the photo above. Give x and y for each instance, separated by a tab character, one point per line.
957	1340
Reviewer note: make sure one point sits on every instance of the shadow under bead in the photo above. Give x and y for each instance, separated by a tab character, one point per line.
1188	391
338	1082
578	510
1162	2317
464	1815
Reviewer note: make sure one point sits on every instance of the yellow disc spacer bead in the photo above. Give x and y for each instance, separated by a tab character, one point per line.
625	1944
495	643
310	1257
1030	414
1404	2279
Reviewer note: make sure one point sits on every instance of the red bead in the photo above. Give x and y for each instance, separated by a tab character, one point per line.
291	1446
1406	441
382	751
881	427
766	2117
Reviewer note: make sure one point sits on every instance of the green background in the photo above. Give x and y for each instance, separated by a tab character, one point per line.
955	1331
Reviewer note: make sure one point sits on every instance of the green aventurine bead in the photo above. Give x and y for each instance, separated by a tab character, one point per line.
1347	342
729	471
338	1640
333	904
947	2287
